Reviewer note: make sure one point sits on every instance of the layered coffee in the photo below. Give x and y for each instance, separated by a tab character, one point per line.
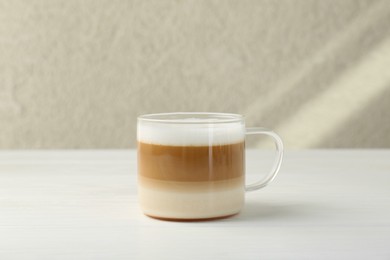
184	175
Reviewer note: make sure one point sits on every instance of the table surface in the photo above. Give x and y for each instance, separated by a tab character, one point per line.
324	204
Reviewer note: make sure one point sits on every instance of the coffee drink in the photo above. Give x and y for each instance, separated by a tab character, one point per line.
191	176
191	166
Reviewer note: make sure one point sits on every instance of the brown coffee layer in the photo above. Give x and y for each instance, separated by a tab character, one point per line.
201	186
191	163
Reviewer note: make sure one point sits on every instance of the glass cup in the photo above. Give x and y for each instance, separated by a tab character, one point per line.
191	166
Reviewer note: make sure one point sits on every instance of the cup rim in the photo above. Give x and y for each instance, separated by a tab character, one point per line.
191	118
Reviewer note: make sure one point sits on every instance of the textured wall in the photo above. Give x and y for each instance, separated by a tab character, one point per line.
75	74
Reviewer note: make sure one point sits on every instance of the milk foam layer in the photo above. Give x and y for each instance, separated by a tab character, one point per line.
190	134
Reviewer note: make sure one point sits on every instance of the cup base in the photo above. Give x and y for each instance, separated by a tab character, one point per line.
191	219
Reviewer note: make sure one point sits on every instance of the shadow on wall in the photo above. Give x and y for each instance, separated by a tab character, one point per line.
316	91
77	74
375	134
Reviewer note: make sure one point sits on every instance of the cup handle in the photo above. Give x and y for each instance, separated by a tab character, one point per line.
278	161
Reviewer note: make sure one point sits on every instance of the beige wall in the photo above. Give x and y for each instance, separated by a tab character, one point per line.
75	74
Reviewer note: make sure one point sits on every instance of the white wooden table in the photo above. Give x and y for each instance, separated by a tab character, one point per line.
83	205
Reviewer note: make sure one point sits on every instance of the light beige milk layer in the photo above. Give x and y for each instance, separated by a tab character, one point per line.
191	200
